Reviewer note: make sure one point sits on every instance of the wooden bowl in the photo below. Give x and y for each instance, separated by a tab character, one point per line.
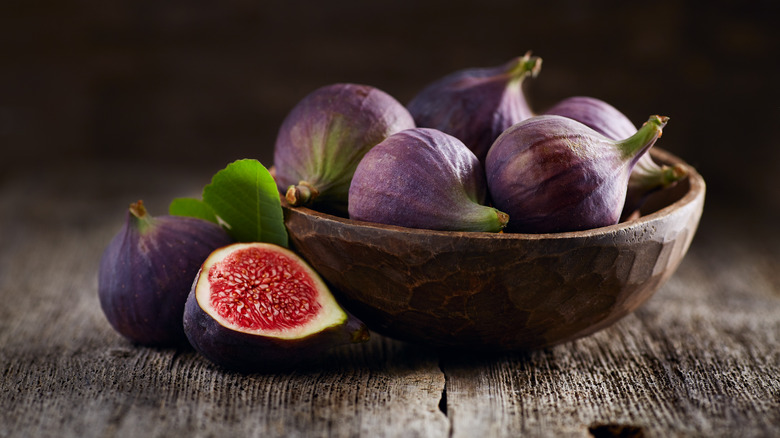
500	292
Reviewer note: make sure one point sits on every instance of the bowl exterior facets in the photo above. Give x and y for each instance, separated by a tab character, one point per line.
500	292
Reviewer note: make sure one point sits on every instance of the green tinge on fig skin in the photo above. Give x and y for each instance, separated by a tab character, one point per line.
329	171
324	137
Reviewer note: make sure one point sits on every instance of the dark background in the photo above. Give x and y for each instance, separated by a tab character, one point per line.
197	84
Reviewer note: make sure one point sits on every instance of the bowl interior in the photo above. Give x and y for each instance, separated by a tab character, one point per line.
500	291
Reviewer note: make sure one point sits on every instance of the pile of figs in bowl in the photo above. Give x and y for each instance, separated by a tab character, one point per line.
464	219
467	219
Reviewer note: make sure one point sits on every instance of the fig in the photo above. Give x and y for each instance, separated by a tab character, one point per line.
259	307
423	178
146	272
323	138
554	174
476	105
597	115
647	176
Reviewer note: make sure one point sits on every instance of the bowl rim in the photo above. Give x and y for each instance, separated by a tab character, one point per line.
695	190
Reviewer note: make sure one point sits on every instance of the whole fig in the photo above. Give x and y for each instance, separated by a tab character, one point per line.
147	270
595	114
423	178
323	138
647	176
554	174
476	105
260	307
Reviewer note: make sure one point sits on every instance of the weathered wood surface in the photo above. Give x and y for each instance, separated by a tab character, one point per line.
701	358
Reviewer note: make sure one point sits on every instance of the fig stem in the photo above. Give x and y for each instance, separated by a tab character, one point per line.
301	194
139	216
503	219
138	209
635	146
523	66
648	175
360	335
493	220
673	174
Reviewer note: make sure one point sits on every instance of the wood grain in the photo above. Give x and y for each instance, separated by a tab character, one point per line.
701	358
499	291
697	359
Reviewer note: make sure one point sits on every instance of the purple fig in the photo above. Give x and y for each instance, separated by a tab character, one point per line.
554	174
477	105
147	270
423	178
647	176
323	138
260	307
595	114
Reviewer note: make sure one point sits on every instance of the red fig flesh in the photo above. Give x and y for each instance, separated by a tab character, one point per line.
476	105
258	306
423	178
146	272
647	176
323	138
554	174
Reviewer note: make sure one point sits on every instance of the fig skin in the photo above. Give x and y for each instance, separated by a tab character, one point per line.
146	271
266	350
554	174
597	115
476	105
647	176
323	138
423	178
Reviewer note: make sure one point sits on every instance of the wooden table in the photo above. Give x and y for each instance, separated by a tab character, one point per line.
701	358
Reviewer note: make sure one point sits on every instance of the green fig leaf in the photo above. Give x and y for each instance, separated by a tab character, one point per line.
193	208
244	195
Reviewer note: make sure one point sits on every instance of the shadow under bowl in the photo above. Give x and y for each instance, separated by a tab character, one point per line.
500	291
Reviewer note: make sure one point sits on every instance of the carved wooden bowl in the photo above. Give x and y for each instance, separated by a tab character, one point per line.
500	292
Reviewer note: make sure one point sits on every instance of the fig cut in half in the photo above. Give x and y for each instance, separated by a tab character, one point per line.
258	307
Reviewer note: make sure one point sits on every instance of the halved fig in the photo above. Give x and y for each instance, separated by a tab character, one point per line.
258	307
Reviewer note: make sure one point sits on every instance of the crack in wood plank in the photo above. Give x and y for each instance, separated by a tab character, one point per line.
702	357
